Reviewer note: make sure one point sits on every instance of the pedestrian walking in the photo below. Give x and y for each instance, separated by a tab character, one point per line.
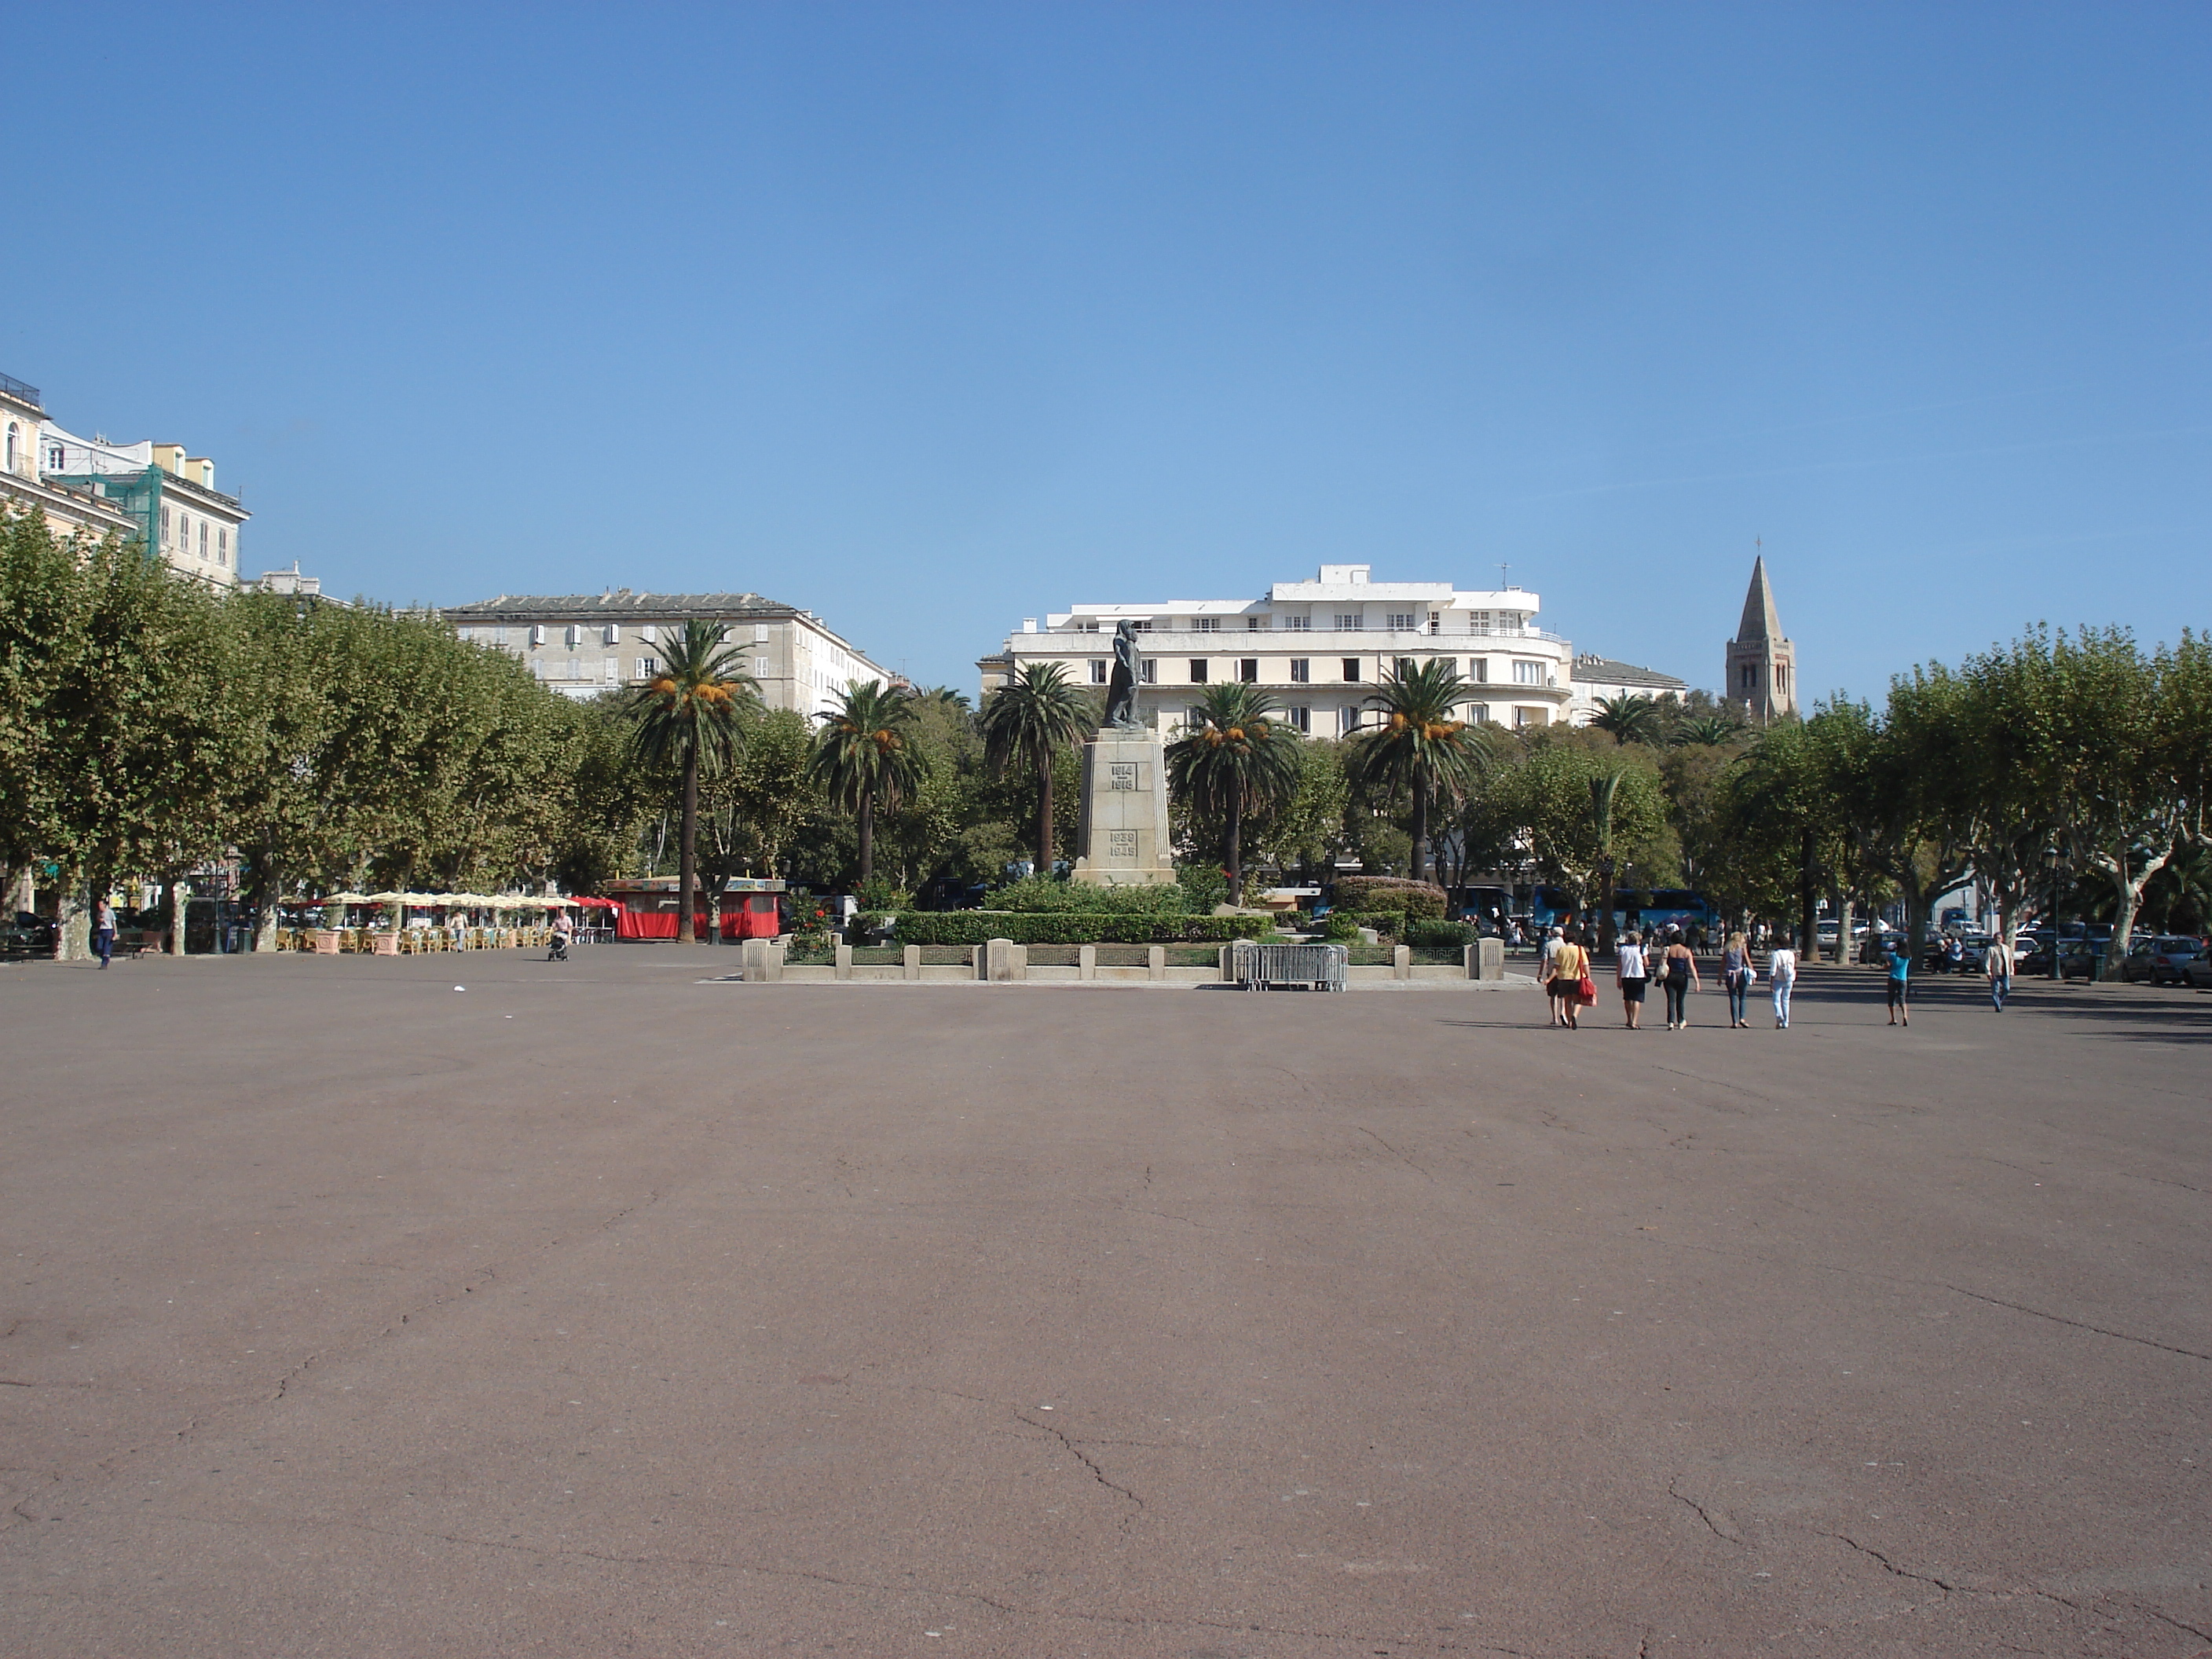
1737	973
1679	977
1570	969
1954	955
103	931
1632	973
1554	941
1781	974
1998	963
1900	966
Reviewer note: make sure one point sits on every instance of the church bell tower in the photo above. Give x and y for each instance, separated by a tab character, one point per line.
1762	665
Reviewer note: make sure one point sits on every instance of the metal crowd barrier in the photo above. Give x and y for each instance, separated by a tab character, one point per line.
1311	967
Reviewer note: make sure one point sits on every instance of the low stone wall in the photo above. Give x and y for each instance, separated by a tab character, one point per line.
1001	962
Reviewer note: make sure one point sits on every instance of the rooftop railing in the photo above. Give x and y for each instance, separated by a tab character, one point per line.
15	388
1390	639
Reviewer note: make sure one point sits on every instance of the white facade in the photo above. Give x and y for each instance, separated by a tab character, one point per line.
1320	647
169	497
582	645
1599	679
68	511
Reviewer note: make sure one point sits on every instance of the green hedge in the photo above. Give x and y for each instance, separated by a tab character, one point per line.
1038	927
1423	901
1459	934
1037	896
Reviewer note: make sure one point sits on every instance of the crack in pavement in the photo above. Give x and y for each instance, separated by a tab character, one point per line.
1889	1565
2165	1619
2078	1325
1395	1153
2162	1182
1674	1492
1088	1462
1770	1260
2067	1602
1164	1216
482	1276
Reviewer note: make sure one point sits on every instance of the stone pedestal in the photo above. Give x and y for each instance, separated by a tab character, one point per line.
1122	841
1003	962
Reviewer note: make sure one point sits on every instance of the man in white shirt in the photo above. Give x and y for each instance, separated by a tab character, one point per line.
1998	963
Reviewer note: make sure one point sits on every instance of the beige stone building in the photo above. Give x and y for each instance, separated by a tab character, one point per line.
1319	646
582	644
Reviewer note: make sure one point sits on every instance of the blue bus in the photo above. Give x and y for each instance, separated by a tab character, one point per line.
1641	909
1664	907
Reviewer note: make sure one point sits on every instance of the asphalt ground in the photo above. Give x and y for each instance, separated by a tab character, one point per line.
595	1309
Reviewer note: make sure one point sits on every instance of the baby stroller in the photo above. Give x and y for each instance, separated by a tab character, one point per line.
558	951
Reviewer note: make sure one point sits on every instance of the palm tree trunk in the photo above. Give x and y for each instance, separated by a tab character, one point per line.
1420	870
867	835
1235	848
1044	813
687	855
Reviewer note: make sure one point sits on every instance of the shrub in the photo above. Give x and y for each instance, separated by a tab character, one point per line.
1044	895
1339	926
1419	899
1072	927
1459	934
1203	886
881	893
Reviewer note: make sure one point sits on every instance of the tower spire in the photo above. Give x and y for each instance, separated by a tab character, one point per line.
1759	621
1762	665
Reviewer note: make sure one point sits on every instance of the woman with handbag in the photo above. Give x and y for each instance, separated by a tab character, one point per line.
1570	987
1631	973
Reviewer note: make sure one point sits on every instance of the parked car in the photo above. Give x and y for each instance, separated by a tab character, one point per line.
2078	958
1973	948
2164	960
948	893
27	935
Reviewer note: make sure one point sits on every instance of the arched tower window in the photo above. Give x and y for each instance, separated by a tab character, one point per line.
13	429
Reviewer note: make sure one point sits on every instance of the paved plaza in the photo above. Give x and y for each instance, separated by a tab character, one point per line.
598	1309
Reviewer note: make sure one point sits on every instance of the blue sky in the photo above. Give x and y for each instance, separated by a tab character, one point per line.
928	318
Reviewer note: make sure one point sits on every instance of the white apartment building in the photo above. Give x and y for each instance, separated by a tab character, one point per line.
583	644
1319	646
152	491
69	512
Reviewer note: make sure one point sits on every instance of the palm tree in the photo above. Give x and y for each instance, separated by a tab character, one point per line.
1603	787
1422	744
1630	719
1027	722
865	758
1238	756
1710	730
687	714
